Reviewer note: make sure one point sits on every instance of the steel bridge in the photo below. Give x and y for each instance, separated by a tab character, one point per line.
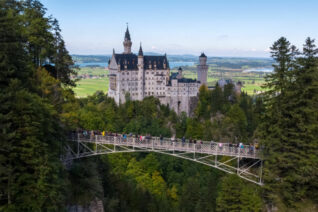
246	161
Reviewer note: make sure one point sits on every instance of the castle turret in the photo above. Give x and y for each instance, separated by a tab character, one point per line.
141	74
140	57
179	76
127	42
202	69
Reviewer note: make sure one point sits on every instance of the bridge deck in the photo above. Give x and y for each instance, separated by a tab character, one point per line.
154	143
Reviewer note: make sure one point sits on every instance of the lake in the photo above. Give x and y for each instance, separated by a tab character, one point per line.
267	70
172	64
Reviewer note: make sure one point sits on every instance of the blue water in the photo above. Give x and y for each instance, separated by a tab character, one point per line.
178	64
91	64
172	64
267	70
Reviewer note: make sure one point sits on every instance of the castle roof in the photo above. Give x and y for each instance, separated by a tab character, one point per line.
182	80
202	55
140	53
159	61
173	76
131	61
127	34
187	80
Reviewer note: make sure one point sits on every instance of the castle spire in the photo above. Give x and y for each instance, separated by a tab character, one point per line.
127	42
140	53
127	34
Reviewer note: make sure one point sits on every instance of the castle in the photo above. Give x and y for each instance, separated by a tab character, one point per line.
138	76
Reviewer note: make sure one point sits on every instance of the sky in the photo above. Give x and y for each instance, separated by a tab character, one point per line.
236	28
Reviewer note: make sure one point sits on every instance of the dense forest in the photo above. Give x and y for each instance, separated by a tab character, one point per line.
38	109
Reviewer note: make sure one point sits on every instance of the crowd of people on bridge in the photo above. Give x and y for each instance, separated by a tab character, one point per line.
90	134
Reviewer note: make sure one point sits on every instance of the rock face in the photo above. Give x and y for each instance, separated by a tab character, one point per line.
95	206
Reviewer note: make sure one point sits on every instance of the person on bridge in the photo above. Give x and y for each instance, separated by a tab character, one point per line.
220	146
92	134
85	133
230	146
251	148
241	147
212	144
200	144
256	146
172	139
161	139
183	140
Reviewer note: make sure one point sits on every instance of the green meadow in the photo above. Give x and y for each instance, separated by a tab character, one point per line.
252	82
97	71
86	87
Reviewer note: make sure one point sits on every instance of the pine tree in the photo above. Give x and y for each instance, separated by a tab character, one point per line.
31	174
31	170
235	195
303	127
289	126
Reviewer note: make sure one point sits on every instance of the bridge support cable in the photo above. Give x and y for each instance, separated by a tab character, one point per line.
243	162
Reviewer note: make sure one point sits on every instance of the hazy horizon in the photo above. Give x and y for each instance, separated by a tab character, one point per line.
211	56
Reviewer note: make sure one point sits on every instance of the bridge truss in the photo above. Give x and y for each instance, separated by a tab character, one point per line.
244	162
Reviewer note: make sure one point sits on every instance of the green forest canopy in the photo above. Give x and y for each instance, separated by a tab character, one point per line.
38	109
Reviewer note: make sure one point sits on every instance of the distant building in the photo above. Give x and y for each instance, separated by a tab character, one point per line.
237	86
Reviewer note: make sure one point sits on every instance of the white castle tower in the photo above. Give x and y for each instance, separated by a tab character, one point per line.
202	69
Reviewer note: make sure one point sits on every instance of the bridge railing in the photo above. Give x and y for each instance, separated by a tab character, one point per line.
155	143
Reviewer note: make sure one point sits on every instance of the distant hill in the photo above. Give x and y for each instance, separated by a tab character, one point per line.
226	62
90	58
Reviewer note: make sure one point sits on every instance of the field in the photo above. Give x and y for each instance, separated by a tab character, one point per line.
91	80
95	79
96	71
86	87
252	82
